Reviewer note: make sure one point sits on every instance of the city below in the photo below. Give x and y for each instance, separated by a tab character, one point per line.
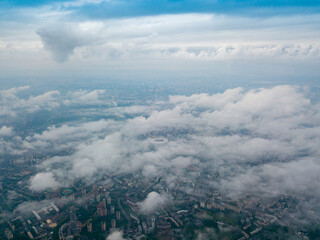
126	206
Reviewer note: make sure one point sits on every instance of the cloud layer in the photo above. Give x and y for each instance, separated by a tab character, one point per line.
188	36
263	142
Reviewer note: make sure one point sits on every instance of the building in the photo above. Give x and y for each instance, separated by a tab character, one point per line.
118	216
54	207
84	192
98	197
36	215
89	226
153	222
103	226
8	233
112	209
113	223
102	208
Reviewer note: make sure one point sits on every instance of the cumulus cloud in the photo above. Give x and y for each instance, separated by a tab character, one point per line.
54	133
274	179
12	103
86	97
258	141
42	181
115	235
62	39
153	202
18	102
6	131
16	106
11	93
48	99
60	138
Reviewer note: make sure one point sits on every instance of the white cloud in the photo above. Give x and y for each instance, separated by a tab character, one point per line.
86	97
267	139
150	170
153	202
115	235
71	132
259	112
191	42
61	40
11	93
12	102
185	36
43	181
273	179
6	131
46	100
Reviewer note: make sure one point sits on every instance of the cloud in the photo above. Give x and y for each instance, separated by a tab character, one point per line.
235	127
273	179
86	97
27	207
12	102
274	44
153	202
48	99
11	93
193	36
18	102
252	51
43	181
260	141
6	131
61	40
65	131
115	235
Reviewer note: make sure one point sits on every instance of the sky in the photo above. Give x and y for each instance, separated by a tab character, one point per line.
143	40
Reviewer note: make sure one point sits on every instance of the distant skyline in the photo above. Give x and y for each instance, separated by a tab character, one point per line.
247	41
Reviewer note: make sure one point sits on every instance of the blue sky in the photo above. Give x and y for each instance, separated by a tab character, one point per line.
182	4
123	8
160	39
